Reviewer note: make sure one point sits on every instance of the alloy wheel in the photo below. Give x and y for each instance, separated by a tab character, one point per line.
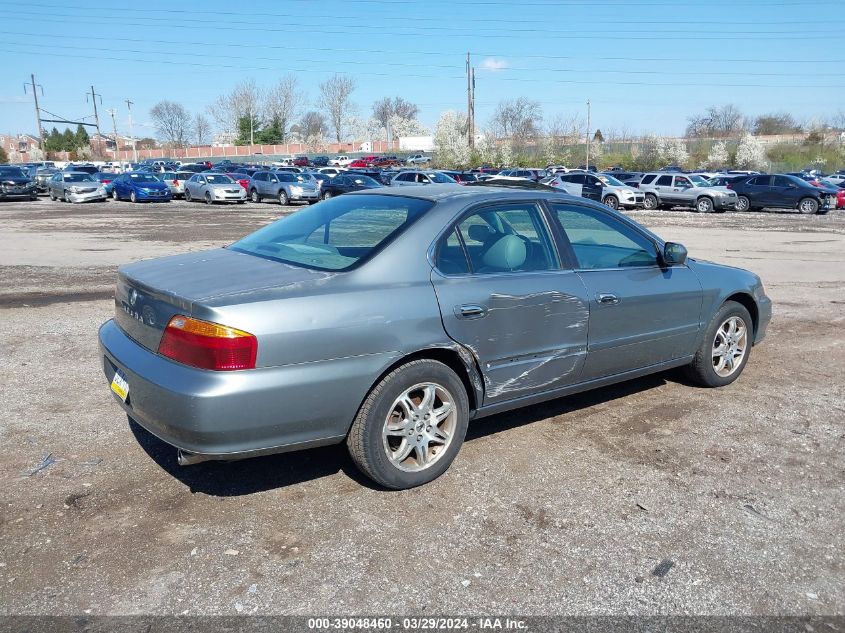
420	427
729	346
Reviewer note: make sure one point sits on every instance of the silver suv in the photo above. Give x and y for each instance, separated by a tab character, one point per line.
685	190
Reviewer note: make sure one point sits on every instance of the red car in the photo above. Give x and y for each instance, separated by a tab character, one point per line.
358	163
840	192
241	179
301	161
385	162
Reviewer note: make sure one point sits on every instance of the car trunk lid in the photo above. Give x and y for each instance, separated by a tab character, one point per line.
149	293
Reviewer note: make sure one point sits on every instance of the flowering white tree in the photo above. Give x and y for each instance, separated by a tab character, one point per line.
658	150
750	153
718	156
450	140
488	153
675	152
406	127
505	156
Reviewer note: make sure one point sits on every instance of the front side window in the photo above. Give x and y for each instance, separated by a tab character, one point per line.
507	239
601	241
682	181
336	234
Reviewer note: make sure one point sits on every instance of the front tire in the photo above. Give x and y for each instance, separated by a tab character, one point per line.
651	202
704	205
208	199
53	196
133	197
327	195
743	203
114	195
808	206
283	198
726	347
188	196
611	201
67	197
411	426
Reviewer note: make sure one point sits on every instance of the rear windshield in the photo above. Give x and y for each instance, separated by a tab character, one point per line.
336	234
143	178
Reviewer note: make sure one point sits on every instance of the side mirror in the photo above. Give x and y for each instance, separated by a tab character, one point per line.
674	254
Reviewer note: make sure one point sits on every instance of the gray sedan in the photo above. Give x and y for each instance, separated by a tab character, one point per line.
76	186
389	319
212	188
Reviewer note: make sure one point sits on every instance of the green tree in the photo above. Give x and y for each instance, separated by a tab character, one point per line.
82	138
270	135
68	141
244	129
598	137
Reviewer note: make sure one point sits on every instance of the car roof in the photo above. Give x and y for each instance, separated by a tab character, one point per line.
448	191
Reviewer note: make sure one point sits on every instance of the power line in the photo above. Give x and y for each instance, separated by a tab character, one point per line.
414	32
336	50
439	77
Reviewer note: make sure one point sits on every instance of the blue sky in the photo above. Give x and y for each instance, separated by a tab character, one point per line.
645	64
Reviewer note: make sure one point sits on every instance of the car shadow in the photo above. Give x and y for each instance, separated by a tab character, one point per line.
259	474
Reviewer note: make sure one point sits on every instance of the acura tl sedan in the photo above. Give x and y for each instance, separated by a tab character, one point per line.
388	319
213	187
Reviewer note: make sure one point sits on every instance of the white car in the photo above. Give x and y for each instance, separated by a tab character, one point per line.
330	171
418	159
341	161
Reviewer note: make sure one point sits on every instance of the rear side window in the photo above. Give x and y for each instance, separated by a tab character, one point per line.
600	241
511	238
451	257
648	179
665	180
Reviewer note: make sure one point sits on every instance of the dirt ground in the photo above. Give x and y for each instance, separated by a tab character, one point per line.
577	506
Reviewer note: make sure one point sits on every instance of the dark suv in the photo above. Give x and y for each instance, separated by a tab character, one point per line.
782	191
15	183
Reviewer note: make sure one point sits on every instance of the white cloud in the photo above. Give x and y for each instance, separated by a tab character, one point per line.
493	64
4	99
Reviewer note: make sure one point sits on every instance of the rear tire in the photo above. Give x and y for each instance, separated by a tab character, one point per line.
808	206
327	195
133	197
208	199
704	370
114	195
67	197
424	397
188	196
253	195
651	202
52	196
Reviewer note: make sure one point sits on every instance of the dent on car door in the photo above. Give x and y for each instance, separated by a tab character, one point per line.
503	295
641	313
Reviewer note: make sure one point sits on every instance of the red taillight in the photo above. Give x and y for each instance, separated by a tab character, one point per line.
208	345
729	186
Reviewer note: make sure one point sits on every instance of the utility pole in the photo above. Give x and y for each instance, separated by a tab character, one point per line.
129	105
94	96
472	115
112	112
588	134
35	87
470	102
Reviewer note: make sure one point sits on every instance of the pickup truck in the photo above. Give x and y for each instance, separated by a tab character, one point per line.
417	159
341	161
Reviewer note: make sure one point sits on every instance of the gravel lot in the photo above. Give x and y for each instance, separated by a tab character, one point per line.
562	508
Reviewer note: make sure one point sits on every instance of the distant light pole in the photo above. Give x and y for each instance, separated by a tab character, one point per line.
131	133
588	134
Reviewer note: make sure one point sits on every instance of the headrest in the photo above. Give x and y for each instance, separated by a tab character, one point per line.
507	253
479	232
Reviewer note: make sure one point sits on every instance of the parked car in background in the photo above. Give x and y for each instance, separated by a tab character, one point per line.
240	178
839	188
405	178
531	174
76	186
301	161
385	319
664	190
320	161
214	187
284	186
106	179
781	191
418	159
331	171
345	183
87	168
14	183
340	161
139	186
616	194
578	183
628	178
461	177
175	181
42	178
358	163
725	181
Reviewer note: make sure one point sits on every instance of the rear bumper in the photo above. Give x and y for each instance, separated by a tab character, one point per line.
238	413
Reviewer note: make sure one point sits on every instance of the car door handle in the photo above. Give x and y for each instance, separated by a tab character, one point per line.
470	311
606	298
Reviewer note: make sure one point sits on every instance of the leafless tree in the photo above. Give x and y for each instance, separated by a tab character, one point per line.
566	129
310	129
335	95
776	123
717	121
202	129
283	104
384	109
518	120
172	122
230	108
837	121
